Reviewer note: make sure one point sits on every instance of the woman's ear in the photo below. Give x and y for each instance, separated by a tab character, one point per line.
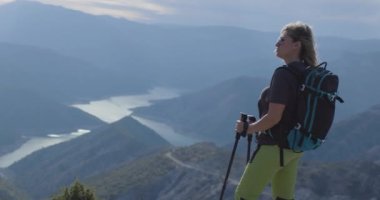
297	44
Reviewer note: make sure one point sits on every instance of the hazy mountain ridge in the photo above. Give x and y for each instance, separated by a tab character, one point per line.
213	112
139	51
348	139
210	113
354	138
43	70
342	180
62	78
95	152
357	81
162	54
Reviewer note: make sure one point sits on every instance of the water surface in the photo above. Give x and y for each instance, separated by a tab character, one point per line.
35	144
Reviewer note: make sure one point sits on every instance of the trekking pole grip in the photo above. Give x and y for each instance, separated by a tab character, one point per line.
243	118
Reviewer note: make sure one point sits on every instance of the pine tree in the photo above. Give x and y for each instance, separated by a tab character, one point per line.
76	192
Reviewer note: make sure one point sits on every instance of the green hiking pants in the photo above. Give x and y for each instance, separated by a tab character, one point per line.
264	168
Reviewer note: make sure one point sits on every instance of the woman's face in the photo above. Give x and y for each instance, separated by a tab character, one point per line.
286	48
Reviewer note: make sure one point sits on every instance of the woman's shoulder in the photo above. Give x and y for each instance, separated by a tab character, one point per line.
283	72
298	67
290	71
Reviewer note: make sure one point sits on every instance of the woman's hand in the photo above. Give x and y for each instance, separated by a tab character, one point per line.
242	127
239	127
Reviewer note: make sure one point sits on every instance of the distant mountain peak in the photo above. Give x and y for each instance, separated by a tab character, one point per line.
375	108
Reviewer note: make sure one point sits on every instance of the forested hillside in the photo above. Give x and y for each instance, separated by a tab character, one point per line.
45	171
196	172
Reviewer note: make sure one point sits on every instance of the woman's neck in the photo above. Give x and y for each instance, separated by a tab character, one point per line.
290	60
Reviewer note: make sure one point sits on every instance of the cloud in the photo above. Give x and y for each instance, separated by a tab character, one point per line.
266	15
350	18
5	1
136	4
138	10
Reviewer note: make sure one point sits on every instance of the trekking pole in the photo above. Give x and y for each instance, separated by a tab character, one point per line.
251	119
243	118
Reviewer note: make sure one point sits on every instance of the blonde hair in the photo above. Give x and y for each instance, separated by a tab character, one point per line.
299	31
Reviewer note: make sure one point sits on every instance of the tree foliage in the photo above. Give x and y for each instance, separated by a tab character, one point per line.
76	192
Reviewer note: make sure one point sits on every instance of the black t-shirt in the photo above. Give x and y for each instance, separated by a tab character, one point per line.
283	89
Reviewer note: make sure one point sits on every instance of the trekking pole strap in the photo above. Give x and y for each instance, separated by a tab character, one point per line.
249	147
281	156
254	153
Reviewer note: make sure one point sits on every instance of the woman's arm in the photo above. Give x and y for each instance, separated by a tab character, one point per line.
273	116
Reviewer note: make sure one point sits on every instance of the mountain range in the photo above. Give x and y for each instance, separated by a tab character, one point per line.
340	169
100	150
172	55
25	114
209	114
196	172
52	57
62	78
113	56
353	138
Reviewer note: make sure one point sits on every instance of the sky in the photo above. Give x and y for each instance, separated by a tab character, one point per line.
358	19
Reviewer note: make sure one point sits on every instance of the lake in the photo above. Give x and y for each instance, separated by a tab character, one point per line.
109	110
35	144
112	109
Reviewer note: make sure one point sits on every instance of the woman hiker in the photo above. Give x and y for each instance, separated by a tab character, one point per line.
277	107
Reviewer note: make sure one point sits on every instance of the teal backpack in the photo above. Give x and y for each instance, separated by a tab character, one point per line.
318	92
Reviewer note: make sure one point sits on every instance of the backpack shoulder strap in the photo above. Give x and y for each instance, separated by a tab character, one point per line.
299	76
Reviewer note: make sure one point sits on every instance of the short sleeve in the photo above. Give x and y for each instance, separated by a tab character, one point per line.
281	87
